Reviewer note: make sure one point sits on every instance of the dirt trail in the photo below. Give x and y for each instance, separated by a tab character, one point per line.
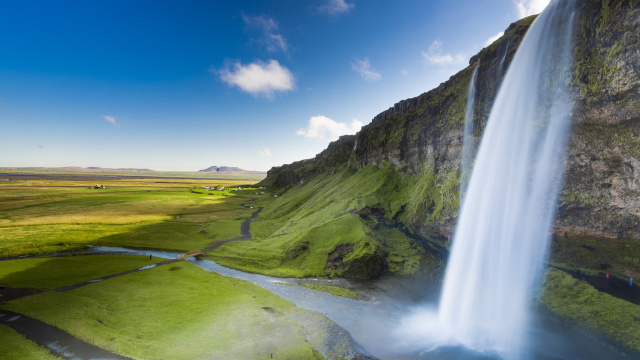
59	342
612	286
244	231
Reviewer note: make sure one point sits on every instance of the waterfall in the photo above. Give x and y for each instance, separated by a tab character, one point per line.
503	231
468	146
501	65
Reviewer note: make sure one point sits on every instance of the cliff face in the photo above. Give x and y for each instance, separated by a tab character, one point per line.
601	192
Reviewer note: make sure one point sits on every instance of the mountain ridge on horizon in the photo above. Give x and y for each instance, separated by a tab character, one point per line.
97	169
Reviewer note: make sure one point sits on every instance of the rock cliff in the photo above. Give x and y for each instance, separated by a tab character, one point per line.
601	192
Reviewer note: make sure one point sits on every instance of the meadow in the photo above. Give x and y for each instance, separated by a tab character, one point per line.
177	312
301	228
49	215
164	312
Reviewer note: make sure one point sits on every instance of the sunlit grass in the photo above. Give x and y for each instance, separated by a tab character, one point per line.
305	224
172	217
334	290
50	273
302	254
176	312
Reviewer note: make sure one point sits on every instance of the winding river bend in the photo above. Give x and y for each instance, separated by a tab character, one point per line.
372	321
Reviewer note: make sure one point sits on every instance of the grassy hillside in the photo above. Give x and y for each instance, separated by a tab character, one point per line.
177	312
348	224
597	312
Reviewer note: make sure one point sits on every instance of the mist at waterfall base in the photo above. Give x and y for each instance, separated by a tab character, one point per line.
502	235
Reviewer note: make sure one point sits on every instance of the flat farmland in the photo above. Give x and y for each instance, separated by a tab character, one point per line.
43	214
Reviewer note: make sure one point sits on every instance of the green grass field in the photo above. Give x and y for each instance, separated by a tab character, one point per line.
15	346
176	312
298	254
334	290
44	216
50	273
303	226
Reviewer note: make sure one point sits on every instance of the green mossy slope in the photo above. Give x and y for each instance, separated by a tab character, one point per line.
178	312
350	224
581	304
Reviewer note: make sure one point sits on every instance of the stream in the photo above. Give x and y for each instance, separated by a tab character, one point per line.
372	322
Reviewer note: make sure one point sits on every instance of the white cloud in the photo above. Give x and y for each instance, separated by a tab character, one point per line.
334	7
268	28
321	127
259	78
266	152
404	72
530	7
493	38
112	120
363	67
436	57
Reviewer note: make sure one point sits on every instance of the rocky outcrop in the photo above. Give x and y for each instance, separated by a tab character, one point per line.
601	191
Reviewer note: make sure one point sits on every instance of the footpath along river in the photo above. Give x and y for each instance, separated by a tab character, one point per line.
373	320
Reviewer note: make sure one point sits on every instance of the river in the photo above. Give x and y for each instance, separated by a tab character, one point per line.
372	322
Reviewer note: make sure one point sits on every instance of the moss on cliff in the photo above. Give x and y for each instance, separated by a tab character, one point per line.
581	304
347	224
620	257
402	177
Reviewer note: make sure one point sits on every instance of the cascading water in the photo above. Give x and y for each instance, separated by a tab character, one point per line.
468	146
503	230
502	234
501	64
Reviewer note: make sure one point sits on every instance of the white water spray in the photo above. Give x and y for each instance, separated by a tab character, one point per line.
468	147
503	231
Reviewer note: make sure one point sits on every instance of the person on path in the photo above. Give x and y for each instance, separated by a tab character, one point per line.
630	281
151	255
607	276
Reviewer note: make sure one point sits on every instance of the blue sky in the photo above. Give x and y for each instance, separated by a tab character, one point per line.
183	85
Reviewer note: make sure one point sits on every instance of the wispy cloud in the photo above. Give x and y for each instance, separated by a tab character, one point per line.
259	78
335	7
363	67
266	152
530	7
493	38
321	127
437	57
112	120
270	36
404	72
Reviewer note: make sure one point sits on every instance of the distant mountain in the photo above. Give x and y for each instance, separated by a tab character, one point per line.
230	170
227	172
